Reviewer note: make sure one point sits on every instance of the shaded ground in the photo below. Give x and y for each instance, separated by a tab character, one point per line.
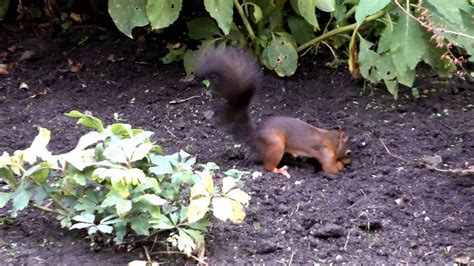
311	217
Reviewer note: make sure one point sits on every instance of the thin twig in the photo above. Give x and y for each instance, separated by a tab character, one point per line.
181	253
347	238
468	170
184	100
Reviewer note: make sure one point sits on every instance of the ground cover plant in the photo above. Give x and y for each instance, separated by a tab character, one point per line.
117	178
385	40
406	198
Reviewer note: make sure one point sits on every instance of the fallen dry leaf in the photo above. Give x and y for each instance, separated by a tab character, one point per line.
39	94
76	17
112	58
26	55
142	263
12	48
3	70
462	258
74	66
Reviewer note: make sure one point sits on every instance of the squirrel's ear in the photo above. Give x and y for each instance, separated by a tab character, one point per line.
343	135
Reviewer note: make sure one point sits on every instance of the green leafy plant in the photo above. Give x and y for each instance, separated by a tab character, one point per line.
117	179
386	40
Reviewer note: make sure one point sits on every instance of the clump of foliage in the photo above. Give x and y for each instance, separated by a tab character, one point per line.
385	40
117	179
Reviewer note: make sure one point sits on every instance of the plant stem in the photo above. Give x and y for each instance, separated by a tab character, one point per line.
244	19
350	12
341	30
46	209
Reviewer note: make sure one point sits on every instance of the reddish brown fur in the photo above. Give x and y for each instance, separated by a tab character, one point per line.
237	76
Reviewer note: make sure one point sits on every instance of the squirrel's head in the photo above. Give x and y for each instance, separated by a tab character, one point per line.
344	146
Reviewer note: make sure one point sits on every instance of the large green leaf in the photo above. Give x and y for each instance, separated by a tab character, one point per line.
163	13
451	9
3	8
281	56
222	11
368	7
128	14
301	30
407	45
202	28
326	5
306	9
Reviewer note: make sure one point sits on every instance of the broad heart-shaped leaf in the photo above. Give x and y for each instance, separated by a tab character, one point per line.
222	11
88	120
202	28
301	30
128	14
408	45
326	5
281	56
368	7
163	13
306	9
368	60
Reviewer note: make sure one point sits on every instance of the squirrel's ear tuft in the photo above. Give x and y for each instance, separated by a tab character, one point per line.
343	135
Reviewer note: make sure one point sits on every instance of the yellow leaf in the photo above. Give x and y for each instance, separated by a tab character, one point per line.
198	191
228	183
239	196
207	181
238	213
222	208
198	208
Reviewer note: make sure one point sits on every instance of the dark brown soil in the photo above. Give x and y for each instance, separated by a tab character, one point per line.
310	217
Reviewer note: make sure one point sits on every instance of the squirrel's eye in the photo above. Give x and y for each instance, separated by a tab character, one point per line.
348	153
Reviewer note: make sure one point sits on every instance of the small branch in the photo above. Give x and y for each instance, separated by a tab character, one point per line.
333	32
46	209
184	100
244	20
347	239
468	170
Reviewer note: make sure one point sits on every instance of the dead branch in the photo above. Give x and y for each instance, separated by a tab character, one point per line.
468	170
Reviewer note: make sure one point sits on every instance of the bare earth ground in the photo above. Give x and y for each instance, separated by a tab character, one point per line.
311	217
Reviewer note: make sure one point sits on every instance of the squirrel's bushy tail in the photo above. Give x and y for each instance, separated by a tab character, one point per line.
236	75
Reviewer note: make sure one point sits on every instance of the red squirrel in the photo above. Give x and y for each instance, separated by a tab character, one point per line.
236	76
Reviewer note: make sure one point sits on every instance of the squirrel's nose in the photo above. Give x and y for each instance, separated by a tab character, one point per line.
348	153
